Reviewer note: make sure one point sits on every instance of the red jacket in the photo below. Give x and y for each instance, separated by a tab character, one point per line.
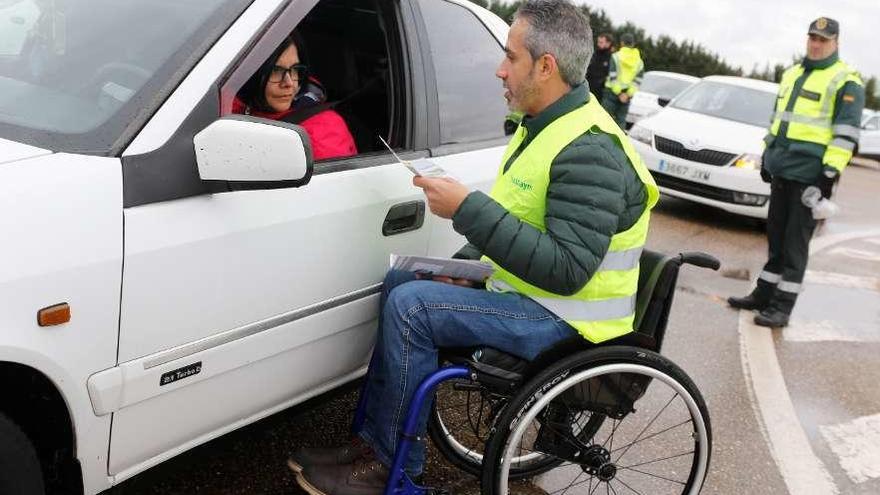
327	130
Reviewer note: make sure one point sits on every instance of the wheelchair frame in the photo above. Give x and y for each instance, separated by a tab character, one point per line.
657	280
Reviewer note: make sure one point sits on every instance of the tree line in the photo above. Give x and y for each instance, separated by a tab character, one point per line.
664	53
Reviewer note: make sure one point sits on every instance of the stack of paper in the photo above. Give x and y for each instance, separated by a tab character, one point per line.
475	270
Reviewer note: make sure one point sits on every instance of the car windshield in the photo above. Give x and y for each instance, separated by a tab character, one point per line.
74	74
663	86
726	101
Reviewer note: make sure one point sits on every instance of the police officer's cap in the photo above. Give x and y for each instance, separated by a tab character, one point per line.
824	27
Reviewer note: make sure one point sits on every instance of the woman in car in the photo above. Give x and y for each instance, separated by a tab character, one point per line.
282	90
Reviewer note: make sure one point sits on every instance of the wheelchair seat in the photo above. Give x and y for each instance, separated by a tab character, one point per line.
502	371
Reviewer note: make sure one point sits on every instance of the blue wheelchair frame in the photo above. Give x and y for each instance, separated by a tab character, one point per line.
399	483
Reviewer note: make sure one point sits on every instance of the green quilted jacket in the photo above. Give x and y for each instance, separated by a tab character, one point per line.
594	193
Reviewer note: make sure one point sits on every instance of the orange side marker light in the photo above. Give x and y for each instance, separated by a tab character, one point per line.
54	315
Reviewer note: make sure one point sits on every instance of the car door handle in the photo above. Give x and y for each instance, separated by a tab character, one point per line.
404	217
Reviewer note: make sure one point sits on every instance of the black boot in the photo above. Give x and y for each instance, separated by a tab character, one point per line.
772	317
778	311
758	299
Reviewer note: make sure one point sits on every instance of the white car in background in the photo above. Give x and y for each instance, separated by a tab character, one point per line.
706	145
658	88
869	140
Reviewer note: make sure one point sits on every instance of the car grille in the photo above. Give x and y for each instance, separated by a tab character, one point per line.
695	188
674	148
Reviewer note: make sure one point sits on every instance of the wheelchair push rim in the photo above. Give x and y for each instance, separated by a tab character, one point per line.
609	469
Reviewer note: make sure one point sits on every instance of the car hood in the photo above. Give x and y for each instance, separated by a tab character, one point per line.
11	151
697	131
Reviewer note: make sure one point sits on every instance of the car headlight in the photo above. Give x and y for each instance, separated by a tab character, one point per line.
748	161
641	134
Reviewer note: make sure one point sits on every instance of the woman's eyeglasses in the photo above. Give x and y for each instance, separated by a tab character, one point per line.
297	72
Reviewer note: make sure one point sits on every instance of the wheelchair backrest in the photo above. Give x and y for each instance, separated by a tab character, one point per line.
658	274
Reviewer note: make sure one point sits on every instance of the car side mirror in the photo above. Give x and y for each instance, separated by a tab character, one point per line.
663	101
254	152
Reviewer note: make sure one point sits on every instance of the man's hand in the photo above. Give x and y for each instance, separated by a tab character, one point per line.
461	282
826	183
444	194
623	97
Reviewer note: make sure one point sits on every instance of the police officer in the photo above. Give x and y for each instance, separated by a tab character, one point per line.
812	137
624	77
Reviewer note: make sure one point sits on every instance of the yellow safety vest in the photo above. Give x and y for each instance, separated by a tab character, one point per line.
811	118
627	64
605	307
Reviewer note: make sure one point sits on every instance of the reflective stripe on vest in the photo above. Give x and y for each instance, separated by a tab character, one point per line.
605	307
627	66
810	118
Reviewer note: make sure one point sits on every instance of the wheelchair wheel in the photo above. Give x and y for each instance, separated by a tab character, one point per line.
462	417
656	437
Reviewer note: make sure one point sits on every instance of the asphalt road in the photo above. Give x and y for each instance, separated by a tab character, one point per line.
703	338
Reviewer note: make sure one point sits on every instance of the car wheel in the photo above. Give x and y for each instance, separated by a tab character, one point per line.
20	472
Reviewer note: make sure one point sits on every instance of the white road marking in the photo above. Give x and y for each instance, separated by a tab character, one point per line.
843	280
801	470
829	331
857	446
873	241
859	254
824	242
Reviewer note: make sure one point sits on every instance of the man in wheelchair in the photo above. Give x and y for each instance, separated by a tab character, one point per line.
564	226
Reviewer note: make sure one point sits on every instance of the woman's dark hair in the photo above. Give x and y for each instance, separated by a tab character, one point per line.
253	92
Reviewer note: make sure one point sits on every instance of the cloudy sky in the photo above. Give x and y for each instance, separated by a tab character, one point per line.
746	32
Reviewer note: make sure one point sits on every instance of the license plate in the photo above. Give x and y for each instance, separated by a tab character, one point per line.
684	171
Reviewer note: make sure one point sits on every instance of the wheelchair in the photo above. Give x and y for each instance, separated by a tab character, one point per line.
612	418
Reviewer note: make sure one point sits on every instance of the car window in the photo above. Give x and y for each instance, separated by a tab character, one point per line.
73	80
353	71
663	86
465	56
726	101
873	124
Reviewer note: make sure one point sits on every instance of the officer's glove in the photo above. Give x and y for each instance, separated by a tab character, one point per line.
826	181
765	175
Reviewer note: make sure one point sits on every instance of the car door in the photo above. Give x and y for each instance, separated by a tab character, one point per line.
236	304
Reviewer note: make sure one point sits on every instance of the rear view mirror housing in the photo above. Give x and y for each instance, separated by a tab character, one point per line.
663	101
253	152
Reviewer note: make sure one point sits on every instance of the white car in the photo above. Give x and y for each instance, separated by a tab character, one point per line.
706	145
869	139
658	88
171	272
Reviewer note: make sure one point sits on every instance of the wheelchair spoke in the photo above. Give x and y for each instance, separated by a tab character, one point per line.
646	427
579	483
651	436
609	485
627	486
655	476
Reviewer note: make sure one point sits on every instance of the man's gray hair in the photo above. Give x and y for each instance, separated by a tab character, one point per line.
561	29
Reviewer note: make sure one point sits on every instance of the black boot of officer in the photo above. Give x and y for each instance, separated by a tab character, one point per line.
777	312
758	299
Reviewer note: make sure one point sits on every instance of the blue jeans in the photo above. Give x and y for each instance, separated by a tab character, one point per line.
417	317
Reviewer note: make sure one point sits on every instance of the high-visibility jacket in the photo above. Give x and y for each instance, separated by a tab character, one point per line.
605	307
810	119
625	74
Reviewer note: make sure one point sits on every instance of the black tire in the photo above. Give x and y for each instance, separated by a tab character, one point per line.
20	472
461	419
647	379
